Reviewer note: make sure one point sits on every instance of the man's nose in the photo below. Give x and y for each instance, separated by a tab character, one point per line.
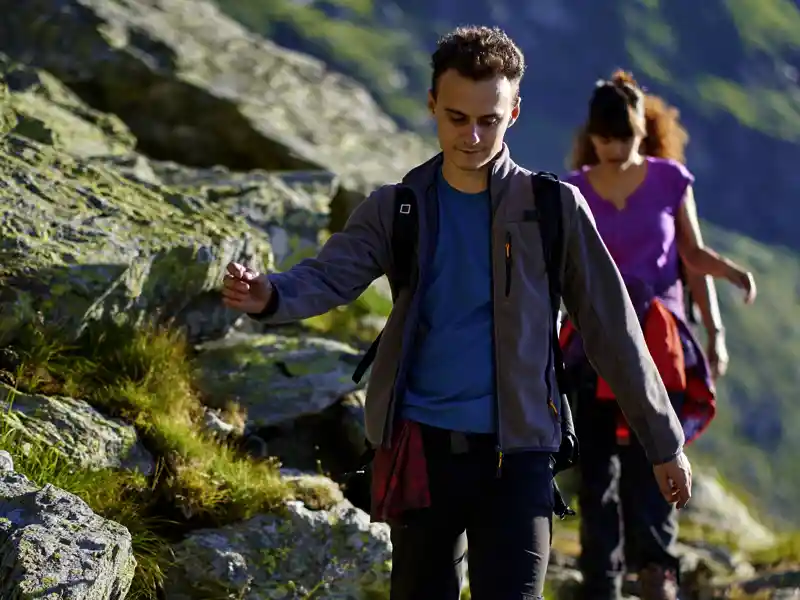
474	134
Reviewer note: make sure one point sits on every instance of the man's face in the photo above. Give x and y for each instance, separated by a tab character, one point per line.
472	117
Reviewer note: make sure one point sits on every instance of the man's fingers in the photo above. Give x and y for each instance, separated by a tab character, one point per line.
236	270
235	284
235	295
683	486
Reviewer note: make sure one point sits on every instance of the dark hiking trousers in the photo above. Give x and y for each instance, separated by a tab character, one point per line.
626	525
507	520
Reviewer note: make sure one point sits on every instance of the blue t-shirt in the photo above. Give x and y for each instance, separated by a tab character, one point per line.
451	380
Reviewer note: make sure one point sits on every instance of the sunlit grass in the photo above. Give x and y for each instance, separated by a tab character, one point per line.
143	375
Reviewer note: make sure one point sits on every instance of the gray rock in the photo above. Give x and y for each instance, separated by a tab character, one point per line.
53	546
779	585
50	113
81	242
216	426
291	208
276	378
196	86
337	553
76	429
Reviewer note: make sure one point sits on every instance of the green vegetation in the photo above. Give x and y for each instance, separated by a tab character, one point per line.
767	25
144	376
754	431
354	322
655	40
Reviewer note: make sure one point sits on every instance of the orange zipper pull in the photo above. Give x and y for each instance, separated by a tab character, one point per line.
552	406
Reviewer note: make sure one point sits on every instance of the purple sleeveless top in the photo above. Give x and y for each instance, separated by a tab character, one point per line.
641	237
642	241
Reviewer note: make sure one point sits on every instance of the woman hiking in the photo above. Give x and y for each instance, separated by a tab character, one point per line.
628	163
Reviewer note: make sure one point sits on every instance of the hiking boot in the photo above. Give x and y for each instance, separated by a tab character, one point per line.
657	583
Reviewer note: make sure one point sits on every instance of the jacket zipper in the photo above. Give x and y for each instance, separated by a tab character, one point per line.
509	264
498	420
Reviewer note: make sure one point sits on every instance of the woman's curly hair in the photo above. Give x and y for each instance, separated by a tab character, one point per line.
665	136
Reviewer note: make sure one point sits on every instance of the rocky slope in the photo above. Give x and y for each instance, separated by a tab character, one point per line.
207	96
143	421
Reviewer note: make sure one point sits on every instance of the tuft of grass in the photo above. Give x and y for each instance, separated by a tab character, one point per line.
144	375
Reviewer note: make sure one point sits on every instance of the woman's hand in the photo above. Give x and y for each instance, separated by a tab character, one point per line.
717	354
744	280
704	260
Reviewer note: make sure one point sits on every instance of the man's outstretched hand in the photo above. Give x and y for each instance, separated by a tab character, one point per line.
244	289
675	480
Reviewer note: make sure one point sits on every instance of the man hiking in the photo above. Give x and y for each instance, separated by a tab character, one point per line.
462	406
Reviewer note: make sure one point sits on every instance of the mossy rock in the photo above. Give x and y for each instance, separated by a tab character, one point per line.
75	429
54	546
275	378
80	241
196	87
50	113
335	553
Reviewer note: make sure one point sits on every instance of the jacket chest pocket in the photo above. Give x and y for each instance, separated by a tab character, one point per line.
523	259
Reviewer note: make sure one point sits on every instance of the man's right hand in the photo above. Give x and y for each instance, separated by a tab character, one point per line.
244	289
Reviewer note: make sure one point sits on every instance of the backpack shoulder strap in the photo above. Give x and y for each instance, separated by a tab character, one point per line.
547	194
405	230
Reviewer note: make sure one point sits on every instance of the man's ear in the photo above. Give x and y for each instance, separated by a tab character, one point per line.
515	111
431	102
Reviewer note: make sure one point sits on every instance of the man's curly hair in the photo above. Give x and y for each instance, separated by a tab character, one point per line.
665	136
478	53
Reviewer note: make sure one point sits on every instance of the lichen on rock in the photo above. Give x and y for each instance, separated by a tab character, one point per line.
80	242
336	553
49	112
293	208
53	546
212	94
75	429
276	378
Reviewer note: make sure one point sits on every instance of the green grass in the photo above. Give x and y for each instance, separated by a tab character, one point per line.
768	27
143	375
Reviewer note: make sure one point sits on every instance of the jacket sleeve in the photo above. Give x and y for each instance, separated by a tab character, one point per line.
597	301
349	261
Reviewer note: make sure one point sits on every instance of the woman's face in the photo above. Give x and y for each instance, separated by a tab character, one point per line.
612	151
